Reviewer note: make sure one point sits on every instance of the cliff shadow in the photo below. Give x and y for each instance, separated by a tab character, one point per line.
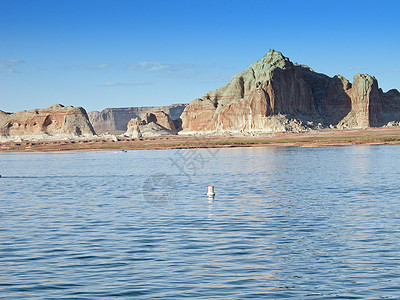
331	94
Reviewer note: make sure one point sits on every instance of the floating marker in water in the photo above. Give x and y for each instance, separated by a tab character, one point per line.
210	192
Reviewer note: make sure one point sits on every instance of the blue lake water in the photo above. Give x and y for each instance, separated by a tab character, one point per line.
314	223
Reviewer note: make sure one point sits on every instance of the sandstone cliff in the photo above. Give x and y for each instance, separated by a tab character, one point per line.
161	118
54	120
116	119
257	98
153	124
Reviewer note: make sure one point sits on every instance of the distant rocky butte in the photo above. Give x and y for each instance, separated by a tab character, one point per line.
53	120
273	94
116	119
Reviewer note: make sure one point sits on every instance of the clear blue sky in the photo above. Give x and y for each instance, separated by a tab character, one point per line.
116	53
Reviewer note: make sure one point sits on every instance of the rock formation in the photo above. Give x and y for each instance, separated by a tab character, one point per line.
154	124
53	120
162	119
116	119
154	129
275	91
133	129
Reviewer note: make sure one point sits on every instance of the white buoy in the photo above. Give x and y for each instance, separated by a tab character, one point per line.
210	192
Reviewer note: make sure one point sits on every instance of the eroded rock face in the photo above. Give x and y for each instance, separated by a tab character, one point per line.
154	124
274	86
366	100
199	115
54	120
163	119
154	130
133	129
116	119
269	86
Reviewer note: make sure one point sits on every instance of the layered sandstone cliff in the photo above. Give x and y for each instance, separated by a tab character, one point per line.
116	119
53	120
275	91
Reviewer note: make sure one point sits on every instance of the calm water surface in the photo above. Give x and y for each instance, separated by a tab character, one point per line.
285	223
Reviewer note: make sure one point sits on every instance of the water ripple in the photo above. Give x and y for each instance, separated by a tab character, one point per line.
286	223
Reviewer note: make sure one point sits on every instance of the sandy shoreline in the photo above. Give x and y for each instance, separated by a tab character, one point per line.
369	136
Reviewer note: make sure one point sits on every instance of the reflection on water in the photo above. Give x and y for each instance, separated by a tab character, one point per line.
285	222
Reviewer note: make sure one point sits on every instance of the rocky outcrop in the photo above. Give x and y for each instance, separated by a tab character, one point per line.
162	119
154	124
256	98
366	103
53	120
268	87
116	119
133	129
154	130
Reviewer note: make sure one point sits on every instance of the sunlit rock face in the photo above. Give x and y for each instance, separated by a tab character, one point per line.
256	99
53	120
